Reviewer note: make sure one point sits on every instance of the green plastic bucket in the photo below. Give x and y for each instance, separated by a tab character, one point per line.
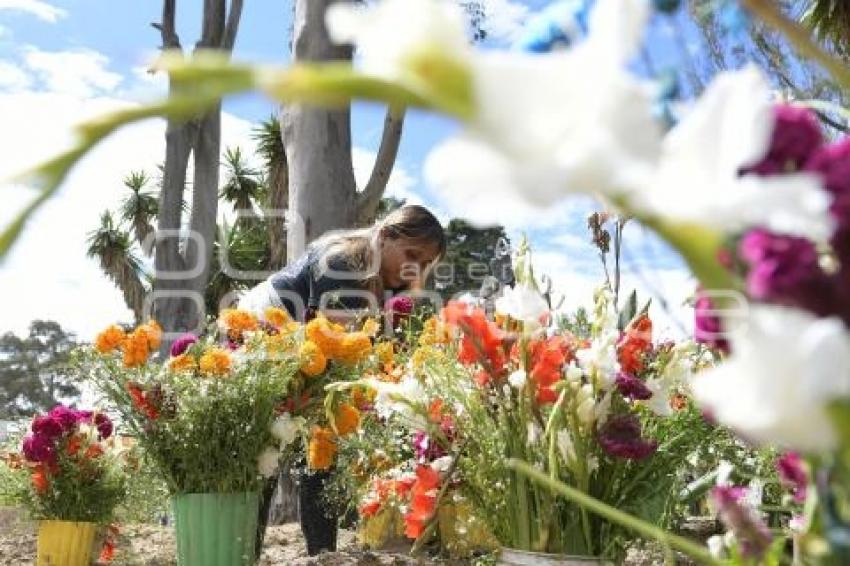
216	529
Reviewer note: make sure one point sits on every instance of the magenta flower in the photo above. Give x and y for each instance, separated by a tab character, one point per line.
182	344
67	416
48	426
786	270
832	162
621	437
426	449
103	424
793	475
632	388
796	135
752	534
708	329
399	307
39	448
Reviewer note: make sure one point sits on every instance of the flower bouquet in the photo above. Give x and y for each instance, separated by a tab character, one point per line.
206	419
75	479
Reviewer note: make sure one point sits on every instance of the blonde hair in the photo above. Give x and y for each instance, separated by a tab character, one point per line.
356	249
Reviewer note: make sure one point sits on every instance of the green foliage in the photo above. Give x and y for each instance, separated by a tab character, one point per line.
147	496
469	252
34	372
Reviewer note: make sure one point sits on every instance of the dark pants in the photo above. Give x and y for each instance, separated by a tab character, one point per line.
318	518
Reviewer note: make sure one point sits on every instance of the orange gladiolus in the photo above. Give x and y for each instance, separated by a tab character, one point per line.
547	357
423	503
370	509
636	342
482	340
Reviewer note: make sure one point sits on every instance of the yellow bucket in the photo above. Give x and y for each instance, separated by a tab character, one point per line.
66	543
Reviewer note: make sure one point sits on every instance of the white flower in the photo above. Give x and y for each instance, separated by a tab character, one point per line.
574	373
267	462
698	177
600	359
518	379
716	546
586	406
523	303
400	399
442	464
534	433
542	130
724	473
391	34
785	367
659	403
286	429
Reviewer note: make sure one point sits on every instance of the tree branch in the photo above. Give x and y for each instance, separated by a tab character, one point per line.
212	27
167	29
232	26
370	197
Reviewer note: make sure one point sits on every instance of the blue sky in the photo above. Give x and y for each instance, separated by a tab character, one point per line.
62	60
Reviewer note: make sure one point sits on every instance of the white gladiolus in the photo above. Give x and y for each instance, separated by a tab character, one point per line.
286	429
785	368
522	303
267	462
518	379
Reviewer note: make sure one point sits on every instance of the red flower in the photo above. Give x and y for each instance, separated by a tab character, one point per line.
370	509
482	341
73	446
636	341
39	479
423	503
94	451
141	401
547	357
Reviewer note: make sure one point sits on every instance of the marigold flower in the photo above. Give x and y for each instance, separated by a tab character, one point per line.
385	352
354	347
346	419
183	362
325	335
136	349
321	449
215	361
153	332
371	327
363	397
277	317
110	339
434	333
313	361
237	322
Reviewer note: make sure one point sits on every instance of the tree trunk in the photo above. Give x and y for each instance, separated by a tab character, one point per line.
322	189
278	202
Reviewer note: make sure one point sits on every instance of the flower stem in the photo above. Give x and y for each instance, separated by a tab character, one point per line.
614	515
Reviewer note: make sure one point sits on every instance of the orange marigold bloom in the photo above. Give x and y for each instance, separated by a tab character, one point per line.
313	361
277	317
110	339
322	449
434	333
39	479
153	332
354	347
94	451
363	397
325	335
215	361
183	362
136	349
238	321
346	419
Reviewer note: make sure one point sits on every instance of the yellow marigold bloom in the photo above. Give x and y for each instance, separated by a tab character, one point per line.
136	349
328	337
321	449
183	362
362	397
346	419
313	361
276	317
215	361
238	321
110	339
354	347
434	333
153	332
371	327
385	352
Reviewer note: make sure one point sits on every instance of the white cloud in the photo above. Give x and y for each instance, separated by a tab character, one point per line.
400	184
503	19
46	274
37	8
80	72
12	77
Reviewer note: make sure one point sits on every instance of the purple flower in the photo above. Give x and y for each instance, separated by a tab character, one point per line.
796	135
752	534
49	426
832	162
793	475
632	388
708	329
182	344
67	416
786	270
621	437
103	424
39	448
425	448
